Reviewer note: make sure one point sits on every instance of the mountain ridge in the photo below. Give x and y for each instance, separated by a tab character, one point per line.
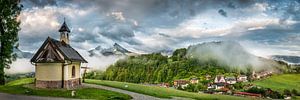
116	49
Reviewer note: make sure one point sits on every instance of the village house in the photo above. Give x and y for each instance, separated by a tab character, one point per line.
219	79
230	80
194	80
261	74
216	86
180	83
242	78
165	85
57	64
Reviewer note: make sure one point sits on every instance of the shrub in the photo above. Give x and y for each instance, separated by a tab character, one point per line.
287	92
295	92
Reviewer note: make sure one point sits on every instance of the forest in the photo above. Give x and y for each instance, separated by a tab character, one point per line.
157	68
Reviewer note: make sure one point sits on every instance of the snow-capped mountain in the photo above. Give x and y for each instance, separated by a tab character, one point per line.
288	59
22	54
116	49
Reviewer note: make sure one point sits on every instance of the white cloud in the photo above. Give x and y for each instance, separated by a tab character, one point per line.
117	15
20	66
207	24
266	50
98	62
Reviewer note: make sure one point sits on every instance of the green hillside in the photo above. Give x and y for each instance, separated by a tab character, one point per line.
281	82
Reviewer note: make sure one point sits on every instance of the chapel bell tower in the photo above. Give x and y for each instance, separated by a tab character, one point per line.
64	32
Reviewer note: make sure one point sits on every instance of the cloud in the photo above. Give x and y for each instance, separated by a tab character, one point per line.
98	62
22	65
222	12
154	25
39	23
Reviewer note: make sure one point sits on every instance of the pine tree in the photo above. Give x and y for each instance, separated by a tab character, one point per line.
9	27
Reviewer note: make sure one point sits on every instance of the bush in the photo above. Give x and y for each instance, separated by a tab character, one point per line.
295	92
275	95
267	92
238	85
287	92
256	90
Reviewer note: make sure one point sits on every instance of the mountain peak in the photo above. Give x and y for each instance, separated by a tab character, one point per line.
116	44
116	49
119	48
292	60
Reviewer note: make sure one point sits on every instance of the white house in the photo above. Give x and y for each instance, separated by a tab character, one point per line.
230	80
219	79
242	78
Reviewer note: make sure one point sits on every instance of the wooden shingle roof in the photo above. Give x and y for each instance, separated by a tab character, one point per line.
56	51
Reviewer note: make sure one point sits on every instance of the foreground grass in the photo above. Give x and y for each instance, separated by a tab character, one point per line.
16	87
281	82
160	92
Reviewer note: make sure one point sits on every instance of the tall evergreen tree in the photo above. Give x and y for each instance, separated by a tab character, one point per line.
9	27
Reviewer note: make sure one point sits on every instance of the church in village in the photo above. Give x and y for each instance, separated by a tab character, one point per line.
57	64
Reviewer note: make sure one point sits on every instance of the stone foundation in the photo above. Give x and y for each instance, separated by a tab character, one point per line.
58	84
72	83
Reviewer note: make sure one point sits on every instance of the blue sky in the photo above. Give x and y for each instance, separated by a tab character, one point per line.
263	27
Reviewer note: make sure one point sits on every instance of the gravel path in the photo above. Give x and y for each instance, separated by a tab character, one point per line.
136	96
5	96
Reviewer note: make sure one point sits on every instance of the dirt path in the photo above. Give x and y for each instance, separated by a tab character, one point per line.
5	96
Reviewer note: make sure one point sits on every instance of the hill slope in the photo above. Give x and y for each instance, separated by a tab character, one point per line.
281	82
229	53
211	58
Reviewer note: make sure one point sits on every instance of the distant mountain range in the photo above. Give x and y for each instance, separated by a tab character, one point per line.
287	59
22	54
116	49
230	50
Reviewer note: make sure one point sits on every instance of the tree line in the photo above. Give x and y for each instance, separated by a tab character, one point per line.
157	68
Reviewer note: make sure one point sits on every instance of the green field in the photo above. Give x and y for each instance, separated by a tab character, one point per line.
16	87
161	92
281	82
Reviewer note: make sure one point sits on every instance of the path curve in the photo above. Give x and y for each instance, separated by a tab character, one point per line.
136	96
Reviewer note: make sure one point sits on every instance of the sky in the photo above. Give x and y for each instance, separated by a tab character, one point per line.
263	27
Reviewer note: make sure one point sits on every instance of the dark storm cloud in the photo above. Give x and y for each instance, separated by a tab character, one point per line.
120	32
38	3
148	12
274	35
143	16
222	12
164	35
